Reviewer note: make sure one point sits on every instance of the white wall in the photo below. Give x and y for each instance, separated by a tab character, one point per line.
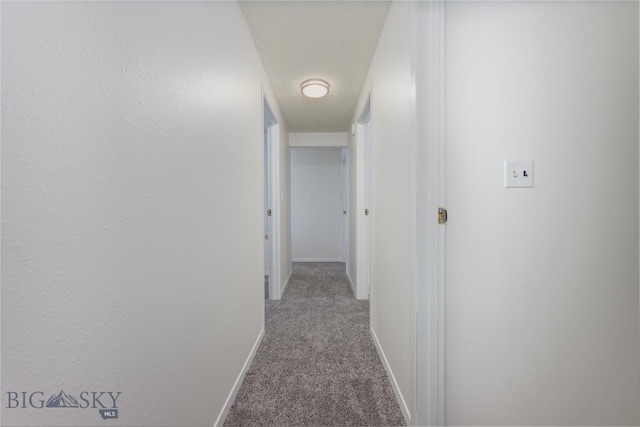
316	204
132	210
542	284
390	81
318	139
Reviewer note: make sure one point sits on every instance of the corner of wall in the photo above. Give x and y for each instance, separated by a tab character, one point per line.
392	379
236	386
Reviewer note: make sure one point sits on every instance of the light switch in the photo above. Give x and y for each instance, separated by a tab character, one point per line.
518	173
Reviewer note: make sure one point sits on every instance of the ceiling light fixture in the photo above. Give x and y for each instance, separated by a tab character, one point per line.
314	88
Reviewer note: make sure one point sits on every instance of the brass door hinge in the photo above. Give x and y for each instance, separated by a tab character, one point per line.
442	216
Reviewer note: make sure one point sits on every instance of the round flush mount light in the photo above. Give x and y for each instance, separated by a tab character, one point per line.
314	88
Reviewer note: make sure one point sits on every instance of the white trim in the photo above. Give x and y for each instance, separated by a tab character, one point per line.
318	139
317	260
353	286
430	191
236	386
392	379
286	283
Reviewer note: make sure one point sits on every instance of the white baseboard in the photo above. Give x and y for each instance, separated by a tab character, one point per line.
317	260
403	404
353	287
234	391
286	283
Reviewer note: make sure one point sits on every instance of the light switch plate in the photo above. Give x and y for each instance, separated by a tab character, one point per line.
518	173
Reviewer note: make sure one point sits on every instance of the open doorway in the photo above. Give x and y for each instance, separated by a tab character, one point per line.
316	204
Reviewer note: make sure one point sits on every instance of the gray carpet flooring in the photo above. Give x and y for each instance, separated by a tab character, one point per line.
317	364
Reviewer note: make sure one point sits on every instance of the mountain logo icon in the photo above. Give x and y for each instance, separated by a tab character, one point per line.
62	400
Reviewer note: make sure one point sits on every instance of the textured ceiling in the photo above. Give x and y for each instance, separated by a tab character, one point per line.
331	40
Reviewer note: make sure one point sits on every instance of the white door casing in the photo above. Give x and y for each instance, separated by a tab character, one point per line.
430	194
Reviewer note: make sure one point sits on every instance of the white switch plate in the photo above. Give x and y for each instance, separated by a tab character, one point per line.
518	173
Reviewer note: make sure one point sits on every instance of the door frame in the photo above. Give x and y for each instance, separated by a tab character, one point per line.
344	226
271	152
430	194
364	138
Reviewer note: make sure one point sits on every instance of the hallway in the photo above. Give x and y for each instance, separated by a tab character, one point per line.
317	364
150	153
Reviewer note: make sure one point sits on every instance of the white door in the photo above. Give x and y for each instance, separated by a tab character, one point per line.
271	207
345	205
367	206
267	206
363	203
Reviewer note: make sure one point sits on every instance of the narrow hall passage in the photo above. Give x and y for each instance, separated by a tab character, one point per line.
317	364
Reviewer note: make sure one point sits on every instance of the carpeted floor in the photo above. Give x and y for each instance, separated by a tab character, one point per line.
317	364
